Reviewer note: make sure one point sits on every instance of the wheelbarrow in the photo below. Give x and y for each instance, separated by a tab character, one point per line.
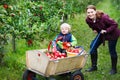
38	63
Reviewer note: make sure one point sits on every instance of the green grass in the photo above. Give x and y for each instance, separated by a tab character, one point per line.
14	63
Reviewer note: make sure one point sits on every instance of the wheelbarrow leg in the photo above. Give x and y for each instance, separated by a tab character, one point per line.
29	75
46	78
50	78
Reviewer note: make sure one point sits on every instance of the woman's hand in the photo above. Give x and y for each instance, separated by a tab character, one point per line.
103	31
95	31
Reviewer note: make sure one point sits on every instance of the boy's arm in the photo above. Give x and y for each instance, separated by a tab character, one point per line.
55	38
73	41
56	41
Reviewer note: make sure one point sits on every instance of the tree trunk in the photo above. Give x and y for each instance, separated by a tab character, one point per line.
13	42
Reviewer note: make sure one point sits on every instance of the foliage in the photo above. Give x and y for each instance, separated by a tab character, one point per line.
116	3
26	19
117	6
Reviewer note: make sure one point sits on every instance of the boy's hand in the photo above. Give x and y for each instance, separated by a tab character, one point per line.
66	45
59	38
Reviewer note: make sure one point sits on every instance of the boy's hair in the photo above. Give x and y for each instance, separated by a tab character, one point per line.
65	25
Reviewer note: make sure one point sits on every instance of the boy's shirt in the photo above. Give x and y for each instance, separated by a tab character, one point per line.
60	38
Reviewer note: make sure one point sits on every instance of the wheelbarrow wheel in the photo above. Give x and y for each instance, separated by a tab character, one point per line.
77	75
29	75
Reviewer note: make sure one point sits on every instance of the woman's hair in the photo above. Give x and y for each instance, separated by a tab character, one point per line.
65	25
91	7
99	13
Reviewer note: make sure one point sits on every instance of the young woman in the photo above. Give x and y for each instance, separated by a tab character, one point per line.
101	23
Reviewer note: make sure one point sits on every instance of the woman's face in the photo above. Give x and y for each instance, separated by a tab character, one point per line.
91	13
64	30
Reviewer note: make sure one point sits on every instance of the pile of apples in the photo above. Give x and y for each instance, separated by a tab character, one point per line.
54	54
74	50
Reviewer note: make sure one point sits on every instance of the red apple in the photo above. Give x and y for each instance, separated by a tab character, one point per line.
56	54
76	51
5	6
62	57
63	54
58	57
48	54
54	49
38	54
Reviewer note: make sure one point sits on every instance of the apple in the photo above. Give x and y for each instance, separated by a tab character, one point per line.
69	50
56	54
54	49
58	57
48	54
62	57
55	57
39	54
63	54
52	58
60	54
75	51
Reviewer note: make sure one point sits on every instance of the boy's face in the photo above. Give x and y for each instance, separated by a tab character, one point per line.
64	30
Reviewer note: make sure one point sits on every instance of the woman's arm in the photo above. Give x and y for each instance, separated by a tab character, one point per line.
110	24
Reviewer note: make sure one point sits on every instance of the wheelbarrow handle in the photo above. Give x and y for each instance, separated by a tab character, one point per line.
81	50
54	42
49	45
94	43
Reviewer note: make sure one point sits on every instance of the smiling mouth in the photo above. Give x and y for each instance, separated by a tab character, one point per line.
90	16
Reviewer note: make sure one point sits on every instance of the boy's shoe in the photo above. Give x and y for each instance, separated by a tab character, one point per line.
112	71
93	68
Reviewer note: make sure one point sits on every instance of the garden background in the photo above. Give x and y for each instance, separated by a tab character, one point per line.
31	24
